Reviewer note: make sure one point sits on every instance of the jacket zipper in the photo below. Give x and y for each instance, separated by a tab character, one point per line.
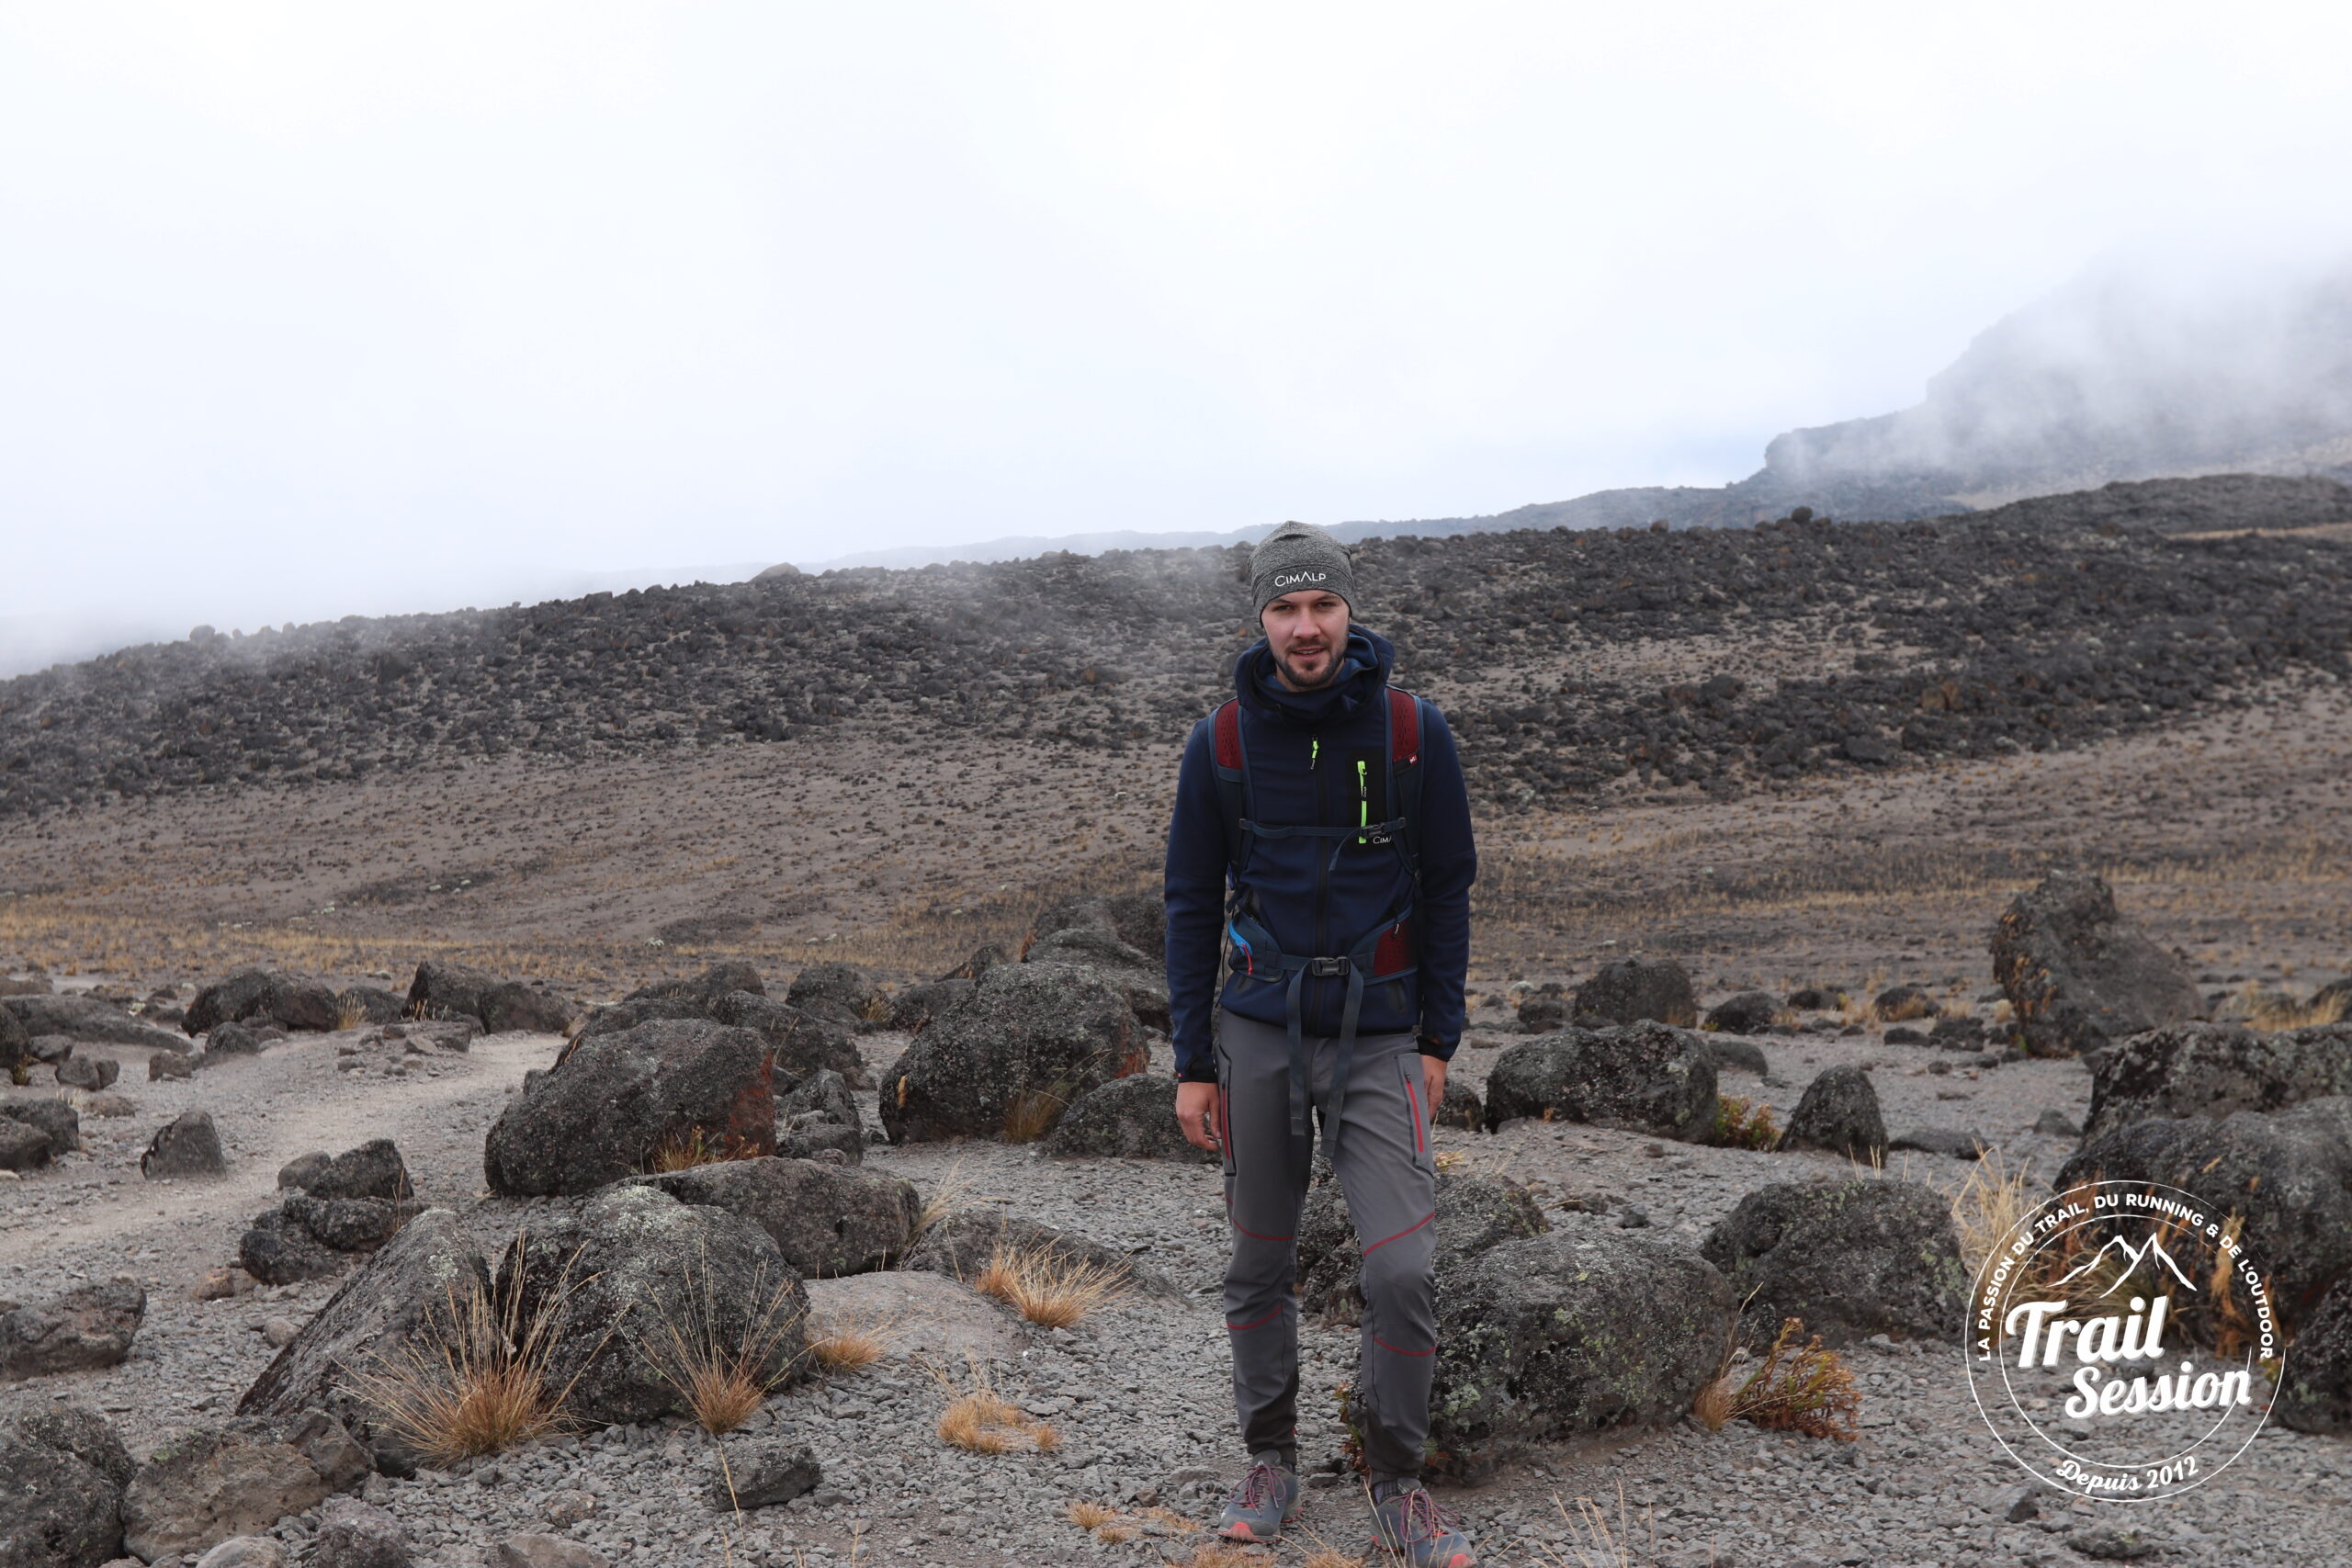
1322	861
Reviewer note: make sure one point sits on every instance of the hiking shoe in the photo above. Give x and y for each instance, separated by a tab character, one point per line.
1408	1524
1265	1501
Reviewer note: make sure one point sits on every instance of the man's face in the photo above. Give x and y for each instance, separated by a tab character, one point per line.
1308	632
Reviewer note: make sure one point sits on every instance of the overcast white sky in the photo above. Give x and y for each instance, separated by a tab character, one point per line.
308	310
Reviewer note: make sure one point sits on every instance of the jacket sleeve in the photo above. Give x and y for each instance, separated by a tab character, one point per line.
1449	865
1195	895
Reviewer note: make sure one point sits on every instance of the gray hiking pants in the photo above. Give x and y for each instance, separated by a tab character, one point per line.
1388	1174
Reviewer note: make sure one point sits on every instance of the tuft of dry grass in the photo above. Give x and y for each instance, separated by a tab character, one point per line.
1046	1287
350	1011
1321	1554
851	1343
1594	1542
1090	1516
1451	1160
724	1373
981	1420
951	1196
1993	1200
474	1379
1744	1125
2272	1010
1168	1519
1217	1554
1032	1114
1810	1390
694	1147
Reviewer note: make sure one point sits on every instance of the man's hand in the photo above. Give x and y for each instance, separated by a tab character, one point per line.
1196	1107
1433	1081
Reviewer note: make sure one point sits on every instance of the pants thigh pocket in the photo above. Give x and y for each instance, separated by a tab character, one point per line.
1418	1112
1224	1107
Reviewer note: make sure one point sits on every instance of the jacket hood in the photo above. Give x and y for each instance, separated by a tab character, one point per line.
1364	670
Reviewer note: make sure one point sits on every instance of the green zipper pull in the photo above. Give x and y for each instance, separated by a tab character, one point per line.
1314	749
1363	799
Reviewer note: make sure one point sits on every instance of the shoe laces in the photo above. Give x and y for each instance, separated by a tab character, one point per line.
1258	1487
1423	1519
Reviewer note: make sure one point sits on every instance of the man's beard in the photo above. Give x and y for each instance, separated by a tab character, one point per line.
1337	657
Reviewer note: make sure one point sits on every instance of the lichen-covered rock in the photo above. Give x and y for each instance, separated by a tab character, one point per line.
374	1170
1461	1107
2077	976
352	1534
820	1114
1130	1118
803	1044
206	1484
635	1266
441	990
23	1147
1576	1331
403	1296
913	1009
1029	1039
824	1219
1852	1259
764	1470
62	1472
1838	1112
90	1325
1474	1213
1644	1077
1638	990
2213	1069
187	1146
838	990
607	1109
2315	1391
2287	1173
1542	1013
1745	1013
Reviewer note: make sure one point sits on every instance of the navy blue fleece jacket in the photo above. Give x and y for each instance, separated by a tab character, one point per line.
1303	749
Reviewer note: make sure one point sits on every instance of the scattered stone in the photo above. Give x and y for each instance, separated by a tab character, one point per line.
1011	1058
915	1313
913	1008
824	1219
1130	1118
2077	976
88	1072
767	1470
1903	1035
23	1147
838	990
88	1020
2213	1069
1814	998
207	1483
2106	1543
62	1472
90	1325
1644	1078
1734	1055
169	1064
632	1263
1744	1014
227	1042
440	991
820	1114
607	1109
245	1551
568	1506
1838	1112
1852	1258
1635	990
2056	1124
59	1124
185	1147
2315	1392
1542	1013
222	1283
803	1044
308	1237
374	1170
542	1552
1473	1213
1571	1332
2287	1172
1461	1107
352	1534
1900	1004
1957	1033
1947	1140
961	1245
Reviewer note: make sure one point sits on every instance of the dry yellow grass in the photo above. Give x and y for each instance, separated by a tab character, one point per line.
723	1372
1032	1114
474	1379
1993	1200
694	1147
981	1420
2282	1012
1744	1125
1595	1541
1810	1390
1047	1288
1217	1554
1168	1519
1090	1516
851	1343
951	1195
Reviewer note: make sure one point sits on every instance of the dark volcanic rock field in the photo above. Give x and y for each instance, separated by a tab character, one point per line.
2043	624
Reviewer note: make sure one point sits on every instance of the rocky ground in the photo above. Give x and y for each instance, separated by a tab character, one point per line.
1137	1393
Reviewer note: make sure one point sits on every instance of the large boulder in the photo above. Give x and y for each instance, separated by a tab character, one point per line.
1852	1259
92	1073
705	987
1474	1213
2287	1173
402	1300
1838	1112
616	1101
2315	1390
23	1147
960	1246
441	990
1029	1039
1107	957
265	996
1123	937
2212	1069
187	1146
1636	990
16	1045
643	1282
824	1219
1137	919
90	1325
374	1170
1129	1118
1572	1332
89	1019
803	1044
840	991
820	1118
308	1237
1746	1014
204	1485
913	1009
1644	1077
59	1124
2076	976
62	1472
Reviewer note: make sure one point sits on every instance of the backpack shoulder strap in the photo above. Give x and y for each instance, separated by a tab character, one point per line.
1404	771
1232	765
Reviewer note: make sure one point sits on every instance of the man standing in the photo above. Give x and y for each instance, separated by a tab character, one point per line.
1321	849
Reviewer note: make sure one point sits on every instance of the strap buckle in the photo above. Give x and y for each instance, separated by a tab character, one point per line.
1327	965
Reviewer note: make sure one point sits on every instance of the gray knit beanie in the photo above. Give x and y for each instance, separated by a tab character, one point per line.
1296	556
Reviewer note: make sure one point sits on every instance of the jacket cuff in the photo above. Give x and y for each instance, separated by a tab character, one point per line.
1441	1049
1197	1072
